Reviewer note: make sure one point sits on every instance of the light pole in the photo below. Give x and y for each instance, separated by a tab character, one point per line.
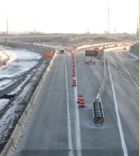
133	35
108	18
7	23
104	63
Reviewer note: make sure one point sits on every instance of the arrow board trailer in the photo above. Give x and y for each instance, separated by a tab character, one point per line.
91	53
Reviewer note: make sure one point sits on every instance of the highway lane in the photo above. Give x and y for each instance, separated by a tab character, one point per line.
49	131
126	63
46	133
89	78
106	140
127	96
103	140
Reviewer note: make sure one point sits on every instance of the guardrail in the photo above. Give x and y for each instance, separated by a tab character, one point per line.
14	138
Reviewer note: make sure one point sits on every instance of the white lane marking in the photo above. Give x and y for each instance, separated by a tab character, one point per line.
129	74
77	122
70	144
118	116
133	55
110	57
131	78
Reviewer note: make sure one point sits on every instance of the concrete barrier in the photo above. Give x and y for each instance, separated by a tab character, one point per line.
29	109
16	135
8	149
23	120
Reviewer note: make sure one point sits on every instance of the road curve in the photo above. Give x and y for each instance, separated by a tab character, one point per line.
58	127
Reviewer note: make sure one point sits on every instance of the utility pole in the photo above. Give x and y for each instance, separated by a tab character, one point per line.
115	31
88	29
133	35
7	23
108	18
137	28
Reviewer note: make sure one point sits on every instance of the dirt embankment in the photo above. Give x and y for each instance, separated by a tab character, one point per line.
71	40
82	40
3	61
135	49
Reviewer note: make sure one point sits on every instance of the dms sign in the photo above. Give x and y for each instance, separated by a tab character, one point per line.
91	53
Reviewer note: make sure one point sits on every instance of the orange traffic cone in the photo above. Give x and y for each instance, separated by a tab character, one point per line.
80	95
81	101
73	61
74	83
81	104
73	73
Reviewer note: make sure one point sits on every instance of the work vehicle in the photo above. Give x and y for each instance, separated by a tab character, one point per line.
96	52
62	51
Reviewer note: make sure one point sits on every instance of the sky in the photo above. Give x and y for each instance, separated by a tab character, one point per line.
69	16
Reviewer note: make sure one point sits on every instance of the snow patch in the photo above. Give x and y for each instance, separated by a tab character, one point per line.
3	103
19	61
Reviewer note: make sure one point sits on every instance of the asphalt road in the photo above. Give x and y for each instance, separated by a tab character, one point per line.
58	127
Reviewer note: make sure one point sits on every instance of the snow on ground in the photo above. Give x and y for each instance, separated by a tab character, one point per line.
19	62
3	103
21	85
9	117
5	82
7	121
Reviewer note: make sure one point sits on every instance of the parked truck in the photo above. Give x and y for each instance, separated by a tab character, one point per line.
96	52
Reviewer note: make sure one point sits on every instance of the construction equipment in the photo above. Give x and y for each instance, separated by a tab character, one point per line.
93	52
61	51
98	115
96	53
